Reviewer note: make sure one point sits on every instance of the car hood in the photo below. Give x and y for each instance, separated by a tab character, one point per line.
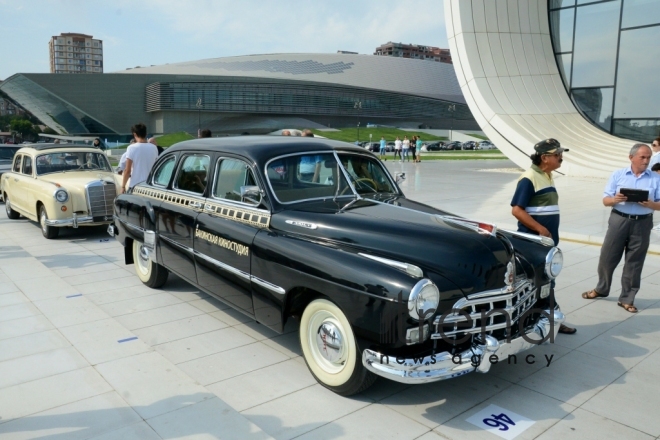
405	231
78	179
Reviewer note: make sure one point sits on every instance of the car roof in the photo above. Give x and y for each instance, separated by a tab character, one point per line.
261	148
69	147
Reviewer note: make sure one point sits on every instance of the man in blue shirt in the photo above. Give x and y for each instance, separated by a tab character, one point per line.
383	144
629	228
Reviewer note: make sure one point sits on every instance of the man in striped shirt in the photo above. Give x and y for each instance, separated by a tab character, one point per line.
535	203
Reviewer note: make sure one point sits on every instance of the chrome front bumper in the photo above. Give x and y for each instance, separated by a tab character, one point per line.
446	366
73	222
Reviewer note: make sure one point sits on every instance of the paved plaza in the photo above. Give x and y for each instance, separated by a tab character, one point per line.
87	351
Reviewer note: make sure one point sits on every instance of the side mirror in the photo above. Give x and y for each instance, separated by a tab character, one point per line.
400	177
251	194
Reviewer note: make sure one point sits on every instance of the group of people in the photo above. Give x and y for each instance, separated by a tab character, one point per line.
403	149
535	205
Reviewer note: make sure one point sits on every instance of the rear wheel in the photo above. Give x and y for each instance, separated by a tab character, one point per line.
49	232
330	351
151	274
10	212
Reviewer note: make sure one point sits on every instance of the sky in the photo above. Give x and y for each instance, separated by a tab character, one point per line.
153	32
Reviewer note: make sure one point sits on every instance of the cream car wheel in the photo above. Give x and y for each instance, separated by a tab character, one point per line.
10	212
47	231
329	348
150	273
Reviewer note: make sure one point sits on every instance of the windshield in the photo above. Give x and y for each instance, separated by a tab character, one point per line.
319	176
367	174
71	161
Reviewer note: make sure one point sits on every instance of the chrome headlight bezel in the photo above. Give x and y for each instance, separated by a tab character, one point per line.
63	193
424	296
554	262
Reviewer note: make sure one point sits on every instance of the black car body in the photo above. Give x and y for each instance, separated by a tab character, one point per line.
319	230
453	145
435	146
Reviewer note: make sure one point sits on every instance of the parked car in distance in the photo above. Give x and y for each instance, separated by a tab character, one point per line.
433	146
469	145
453	145
486	145
374	147
60	186
319	231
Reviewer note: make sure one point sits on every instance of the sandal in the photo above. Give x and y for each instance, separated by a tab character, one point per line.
592	294
628	307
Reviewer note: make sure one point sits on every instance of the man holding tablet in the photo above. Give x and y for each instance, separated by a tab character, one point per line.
633	193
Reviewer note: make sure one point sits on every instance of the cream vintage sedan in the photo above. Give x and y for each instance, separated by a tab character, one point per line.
60	186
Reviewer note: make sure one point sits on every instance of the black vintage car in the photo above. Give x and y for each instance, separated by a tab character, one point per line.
319	230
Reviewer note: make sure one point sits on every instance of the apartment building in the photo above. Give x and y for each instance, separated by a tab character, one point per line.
414	51
75	53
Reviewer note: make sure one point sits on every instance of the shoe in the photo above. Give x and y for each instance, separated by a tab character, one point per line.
628	307
592	294
566	330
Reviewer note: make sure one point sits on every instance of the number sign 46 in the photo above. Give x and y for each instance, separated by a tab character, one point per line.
500	421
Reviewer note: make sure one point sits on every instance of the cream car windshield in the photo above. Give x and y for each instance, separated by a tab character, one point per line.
64	161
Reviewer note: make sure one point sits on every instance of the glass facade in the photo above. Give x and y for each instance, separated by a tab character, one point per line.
608	54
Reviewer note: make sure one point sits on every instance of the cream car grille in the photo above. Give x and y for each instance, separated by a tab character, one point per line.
100	197
514	305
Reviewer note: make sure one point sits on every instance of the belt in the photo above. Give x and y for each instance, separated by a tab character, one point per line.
632	217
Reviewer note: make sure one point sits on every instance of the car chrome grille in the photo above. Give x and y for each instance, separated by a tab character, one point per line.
100	197
457	325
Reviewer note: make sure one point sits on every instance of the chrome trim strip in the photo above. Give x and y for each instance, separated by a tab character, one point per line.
222	265
395	264
179	245
546	241
267	285
301	224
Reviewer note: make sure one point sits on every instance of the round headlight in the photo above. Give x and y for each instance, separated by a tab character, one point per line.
554	261
61	195
424	299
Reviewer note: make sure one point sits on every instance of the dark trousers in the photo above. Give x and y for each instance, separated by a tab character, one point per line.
631	236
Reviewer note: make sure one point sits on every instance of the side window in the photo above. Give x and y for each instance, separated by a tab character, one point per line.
231	174
193	173
17	163
27	165
164	172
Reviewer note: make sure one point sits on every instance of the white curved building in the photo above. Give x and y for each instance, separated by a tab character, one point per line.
507	65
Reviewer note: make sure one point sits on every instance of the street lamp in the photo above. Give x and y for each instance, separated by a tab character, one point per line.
358	106
199	117
451	109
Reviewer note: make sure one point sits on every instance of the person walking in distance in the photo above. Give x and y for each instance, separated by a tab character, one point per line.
383	146
405	149
535	203
397	148
140	157
629	228
413	148
418	143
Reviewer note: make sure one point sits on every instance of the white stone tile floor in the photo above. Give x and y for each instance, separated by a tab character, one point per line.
87	351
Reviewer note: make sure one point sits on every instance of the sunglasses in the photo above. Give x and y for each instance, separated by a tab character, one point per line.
553	154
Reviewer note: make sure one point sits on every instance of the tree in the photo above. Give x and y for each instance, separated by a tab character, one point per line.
23	127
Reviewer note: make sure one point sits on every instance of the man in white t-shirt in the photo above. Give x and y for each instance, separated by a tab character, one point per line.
656	153
140	157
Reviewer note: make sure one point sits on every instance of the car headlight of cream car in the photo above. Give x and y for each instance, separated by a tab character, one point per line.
61	195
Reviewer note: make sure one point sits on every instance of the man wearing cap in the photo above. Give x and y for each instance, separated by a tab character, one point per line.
629	228
535	203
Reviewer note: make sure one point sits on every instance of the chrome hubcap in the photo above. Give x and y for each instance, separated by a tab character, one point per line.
330	342
7	206
44	226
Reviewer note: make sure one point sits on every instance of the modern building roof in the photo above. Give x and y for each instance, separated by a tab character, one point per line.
400	75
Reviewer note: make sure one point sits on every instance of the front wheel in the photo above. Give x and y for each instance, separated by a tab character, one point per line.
330	351
151	274
49	232
10	212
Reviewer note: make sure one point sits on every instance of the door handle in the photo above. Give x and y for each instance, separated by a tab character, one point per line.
15	179
196	205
